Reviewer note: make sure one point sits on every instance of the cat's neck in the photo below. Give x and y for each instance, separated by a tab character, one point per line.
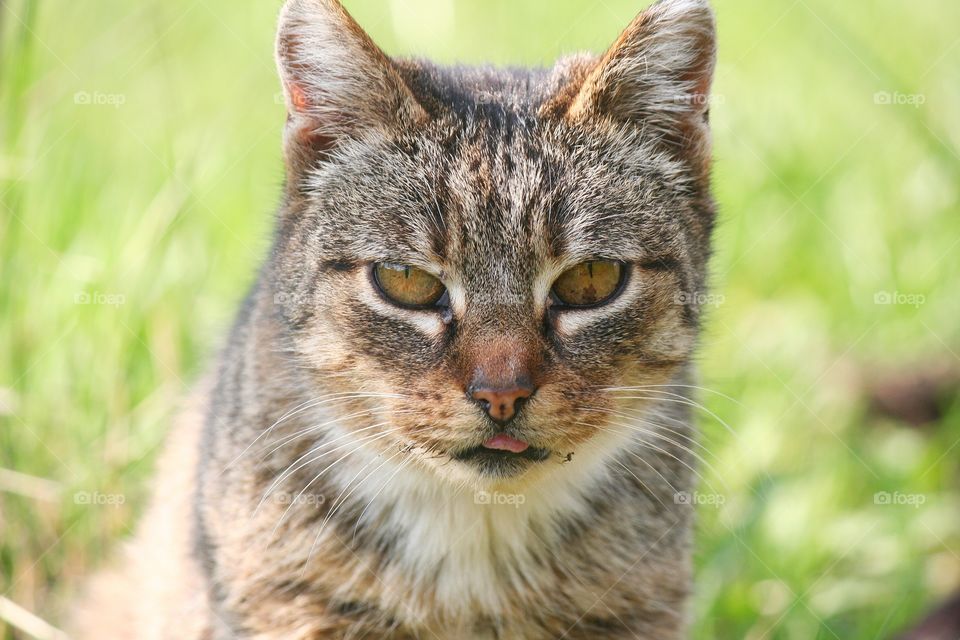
465	542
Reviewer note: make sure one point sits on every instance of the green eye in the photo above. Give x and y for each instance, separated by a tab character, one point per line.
589	283
407	286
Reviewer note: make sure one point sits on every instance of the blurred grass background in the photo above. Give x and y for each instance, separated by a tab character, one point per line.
139	166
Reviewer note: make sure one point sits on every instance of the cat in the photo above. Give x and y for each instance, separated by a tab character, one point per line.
456	402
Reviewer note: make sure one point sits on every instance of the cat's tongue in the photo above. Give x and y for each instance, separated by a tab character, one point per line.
503	442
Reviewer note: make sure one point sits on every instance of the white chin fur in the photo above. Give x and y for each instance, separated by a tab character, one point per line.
458	538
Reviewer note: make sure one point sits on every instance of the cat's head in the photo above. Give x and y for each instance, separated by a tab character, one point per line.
486	253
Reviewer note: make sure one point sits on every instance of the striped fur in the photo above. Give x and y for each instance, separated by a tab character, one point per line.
327	500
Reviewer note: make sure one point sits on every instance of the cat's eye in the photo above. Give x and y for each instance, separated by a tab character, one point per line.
589	283
408	286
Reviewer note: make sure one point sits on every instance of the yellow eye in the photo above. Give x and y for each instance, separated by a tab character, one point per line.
588	283
407	286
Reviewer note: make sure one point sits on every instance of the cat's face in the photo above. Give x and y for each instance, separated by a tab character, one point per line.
489	253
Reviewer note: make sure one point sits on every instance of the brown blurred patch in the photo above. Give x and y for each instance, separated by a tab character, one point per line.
942	624
917	396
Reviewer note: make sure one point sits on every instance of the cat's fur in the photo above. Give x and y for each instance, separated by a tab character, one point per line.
318	496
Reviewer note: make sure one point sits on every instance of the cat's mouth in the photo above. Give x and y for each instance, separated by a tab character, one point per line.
502	456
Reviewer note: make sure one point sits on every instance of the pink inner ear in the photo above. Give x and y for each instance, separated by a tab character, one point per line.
298	98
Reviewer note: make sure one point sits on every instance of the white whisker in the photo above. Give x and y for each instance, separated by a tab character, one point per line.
650	445
304	406
679	399
290	470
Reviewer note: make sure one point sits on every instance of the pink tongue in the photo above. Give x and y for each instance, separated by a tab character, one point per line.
503	442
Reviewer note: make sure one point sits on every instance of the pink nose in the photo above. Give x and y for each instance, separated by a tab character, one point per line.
501	404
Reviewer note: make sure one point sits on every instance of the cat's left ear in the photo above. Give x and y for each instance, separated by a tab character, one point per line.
337	83
656	75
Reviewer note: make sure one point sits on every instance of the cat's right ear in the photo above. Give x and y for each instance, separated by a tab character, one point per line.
657	75
337	83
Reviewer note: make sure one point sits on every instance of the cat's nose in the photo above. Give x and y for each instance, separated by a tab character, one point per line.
501	402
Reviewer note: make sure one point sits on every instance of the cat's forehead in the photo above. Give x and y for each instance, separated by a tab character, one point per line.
495	189
498	190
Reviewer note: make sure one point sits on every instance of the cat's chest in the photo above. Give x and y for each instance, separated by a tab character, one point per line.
469	558
464	553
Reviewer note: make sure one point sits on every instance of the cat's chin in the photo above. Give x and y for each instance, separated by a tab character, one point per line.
499	464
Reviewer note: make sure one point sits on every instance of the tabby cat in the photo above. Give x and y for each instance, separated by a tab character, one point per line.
455	403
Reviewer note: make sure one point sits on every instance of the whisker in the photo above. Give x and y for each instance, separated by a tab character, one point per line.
314	450
323	526
296	499
650	445
337	503
377	494
644	484
699	458
676	386
682	400
315	478
317	427
656	427
331	421
304	406
342	499
634	416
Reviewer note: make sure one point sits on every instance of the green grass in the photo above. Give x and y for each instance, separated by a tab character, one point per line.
139	165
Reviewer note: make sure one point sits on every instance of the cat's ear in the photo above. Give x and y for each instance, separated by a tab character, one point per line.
657	75
337	83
